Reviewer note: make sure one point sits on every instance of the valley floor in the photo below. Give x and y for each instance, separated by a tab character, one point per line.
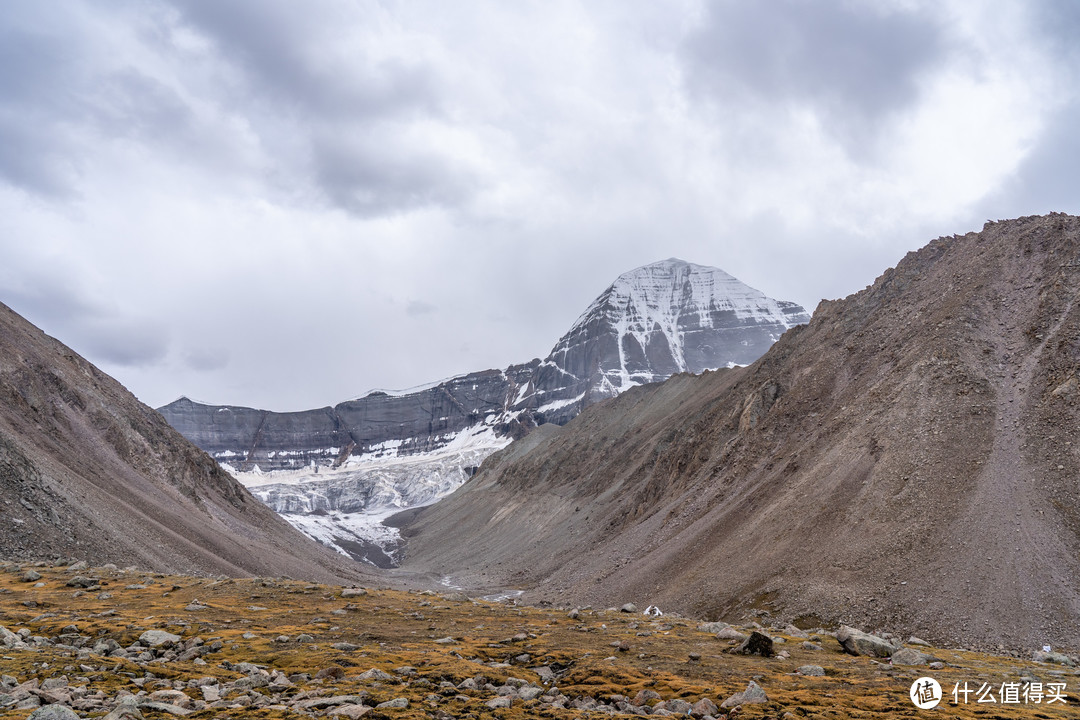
277	648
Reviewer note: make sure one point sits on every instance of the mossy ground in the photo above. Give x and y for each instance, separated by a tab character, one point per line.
395	628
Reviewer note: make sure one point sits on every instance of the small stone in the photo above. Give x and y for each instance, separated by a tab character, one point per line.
353	592
31	576
445	641
396	703
499	702
811	670
628	608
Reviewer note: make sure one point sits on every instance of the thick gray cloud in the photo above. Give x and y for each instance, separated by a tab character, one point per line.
856	64
285	204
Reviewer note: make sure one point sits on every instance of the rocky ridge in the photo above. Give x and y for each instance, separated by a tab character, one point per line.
85	467
652	322
908	455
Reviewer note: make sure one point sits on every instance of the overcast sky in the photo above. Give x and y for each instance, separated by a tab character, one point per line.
285	204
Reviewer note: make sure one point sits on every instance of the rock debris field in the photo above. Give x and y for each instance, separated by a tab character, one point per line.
82	642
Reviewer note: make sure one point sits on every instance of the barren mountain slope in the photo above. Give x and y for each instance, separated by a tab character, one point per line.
908	460
87	470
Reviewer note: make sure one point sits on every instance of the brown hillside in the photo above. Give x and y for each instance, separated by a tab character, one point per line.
86	470
908	460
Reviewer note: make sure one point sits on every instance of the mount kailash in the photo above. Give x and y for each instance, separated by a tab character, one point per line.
337	472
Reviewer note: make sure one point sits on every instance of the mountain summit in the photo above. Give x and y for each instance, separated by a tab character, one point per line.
670	317
346	466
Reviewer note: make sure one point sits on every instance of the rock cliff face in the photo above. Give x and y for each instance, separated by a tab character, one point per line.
334	470
907	460
86	470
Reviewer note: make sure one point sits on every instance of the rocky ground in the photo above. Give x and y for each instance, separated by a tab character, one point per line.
77	641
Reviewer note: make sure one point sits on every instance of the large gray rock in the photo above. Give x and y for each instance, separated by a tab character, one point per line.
1052	657
53	712
910	656
858	642
753	694
155	638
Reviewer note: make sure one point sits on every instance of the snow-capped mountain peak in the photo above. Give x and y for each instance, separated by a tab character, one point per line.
667	317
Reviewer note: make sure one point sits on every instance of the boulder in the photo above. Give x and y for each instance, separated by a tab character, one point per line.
909	656
757	644
713	627
857	642
53	712
154	638
1052	657
751	695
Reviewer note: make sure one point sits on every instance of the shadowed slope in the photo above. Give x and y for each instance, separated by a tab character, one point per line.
907	460
87	470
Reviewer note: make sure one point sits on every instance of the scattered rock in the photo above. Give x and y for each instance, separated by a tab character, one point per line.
31	576
704	707
345	647
1052	657
730	633
53	712
713	627
857	642
628	608
811	670
752	694
795	632
757	644
909	656
644	696
397	703
156	638
376	674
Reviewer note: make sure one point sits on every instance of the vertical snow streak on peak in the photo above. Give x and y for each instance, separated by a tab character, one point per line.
667	317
